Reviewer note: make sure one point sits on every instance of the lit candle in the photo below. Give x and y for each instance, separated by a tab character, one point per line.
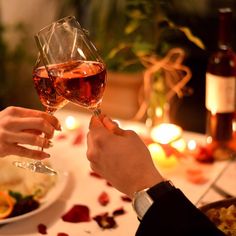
179	145
71	123
159	157
192	145
166	133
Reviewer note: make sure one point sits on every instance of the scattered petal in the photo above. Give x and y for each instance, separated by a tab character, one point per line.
169	151
79	137
204	155
61	137
94	174
118	212
42	229
196	176
109	184
62	234
105	221
125	198
78	213
103	199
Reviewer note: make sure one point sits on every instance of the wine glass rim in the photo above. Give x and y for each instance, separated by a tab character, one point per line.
56	22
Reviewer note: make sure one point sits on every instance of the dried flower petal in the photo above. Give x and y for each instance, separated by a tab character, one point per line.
125	198
109	184
118	212
94	174
105	221
196	176
79	137
103	199
42	229
204	155
61	137
78	213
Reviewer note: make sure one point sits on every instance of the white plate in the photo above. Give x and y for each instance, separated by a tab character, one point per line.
48	200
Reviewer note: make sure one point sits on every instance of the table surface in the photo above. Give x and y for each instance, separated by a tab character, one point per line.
84	189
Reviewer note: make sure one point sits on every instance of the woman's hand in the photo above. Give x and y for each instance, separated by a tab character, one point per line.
24	126
120	156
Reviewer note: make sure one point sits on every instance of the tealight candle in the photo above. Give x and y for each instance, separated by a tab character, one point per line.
159	157
192	145
71	123
166	133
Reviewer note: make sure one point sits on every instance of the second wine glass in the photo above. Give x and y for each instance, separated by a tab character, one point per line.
72	61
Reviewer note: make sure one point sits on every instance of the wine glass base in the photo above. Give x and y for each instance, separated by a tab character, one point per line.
37	166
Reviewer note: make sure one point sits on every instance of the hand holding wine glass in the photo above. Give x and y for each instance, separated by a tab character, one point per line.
73	63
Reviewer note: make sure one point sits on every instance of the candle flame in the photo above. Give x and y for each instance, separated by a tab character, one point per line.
166	133
192	145
71	123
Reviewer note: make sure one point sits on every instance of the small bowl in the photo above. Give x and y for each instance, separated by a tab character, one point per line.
218	204
229	231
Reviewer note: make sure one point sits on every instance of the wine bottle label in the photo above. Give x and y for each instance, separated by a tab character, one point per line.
220	93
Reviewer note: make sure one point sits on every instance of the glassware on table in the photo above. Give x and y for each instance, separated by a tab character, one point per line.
52	101
73	63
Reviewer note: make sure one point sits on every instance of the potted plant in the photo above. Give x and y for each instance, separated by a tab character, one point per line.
124	31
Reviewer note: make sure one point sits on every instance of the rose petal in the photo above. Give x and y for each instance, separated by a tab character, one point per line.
125	198
118	212
196	176
78	138
105	221
103	199
42	229
61	137
78	213
94	174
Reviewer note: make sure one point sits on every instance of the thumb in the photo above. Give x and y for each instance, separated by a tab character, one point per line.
96	122
112	126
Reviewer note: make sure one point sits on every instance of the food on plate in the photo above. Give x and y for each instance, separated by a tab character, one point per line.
22	204
6	205
23	181
224	218
21	190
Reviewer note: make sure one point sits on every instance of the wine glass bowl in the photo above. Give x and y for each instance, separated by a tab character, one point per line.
46	91
73	63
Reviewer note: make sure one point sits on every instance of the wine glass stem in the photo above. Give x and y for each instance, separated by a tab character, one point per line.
51	112
97	111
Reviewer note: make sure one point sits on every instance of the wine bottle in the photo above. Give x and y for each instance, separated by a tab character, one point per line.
220	85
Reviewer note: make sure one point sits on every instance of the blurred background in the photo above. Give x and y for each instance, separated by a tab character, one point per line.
122	31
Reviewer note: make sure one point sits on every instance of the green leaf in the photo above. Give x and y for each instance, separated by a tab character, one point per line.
131	27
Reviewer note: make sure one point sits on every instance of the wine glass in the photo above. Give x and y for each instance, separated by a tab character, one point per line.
52	101
73	62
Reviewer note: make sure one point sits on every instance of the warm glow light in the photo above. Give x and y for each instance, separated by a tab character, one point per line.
234	126
209	139
159	157
179	144
192	145
159	112
166	133
71	123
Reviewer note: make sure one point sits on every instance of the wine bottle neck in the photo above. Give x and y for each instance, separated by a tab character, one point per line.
225	24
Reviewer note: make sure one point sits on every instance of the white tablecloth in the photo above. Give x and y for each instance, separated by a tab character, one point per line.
82	188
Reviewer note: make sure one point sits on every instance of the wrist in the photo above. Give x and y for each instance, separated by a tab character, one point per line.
143	200
145	183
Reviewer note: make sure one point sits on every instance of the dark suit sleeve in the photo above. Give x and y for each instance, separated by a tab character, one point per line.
173	214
